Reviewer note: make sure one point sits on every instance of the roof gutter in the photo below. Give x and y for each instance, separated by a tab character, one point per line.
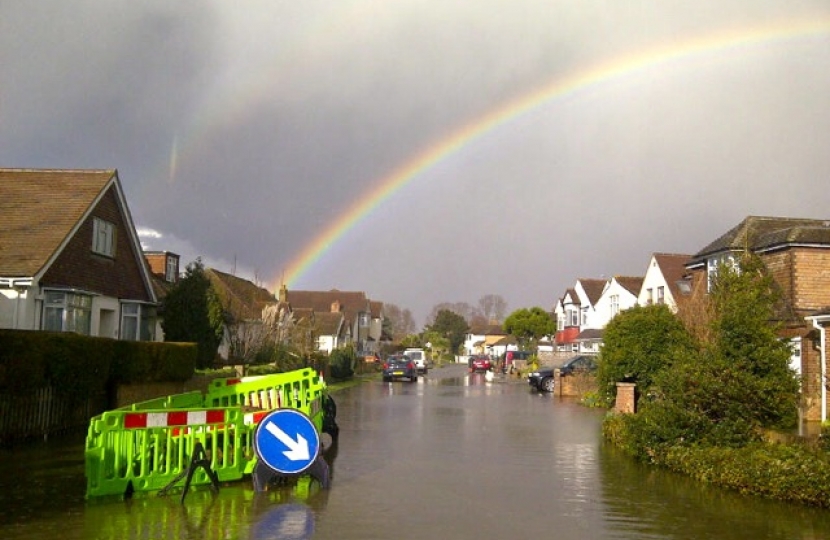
15	282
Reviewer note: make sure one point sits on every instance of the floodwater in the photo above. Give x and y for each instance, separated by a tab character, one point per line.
453	456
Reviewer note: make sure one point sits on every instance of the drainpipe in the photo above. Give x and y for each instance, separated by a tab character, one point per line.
823	354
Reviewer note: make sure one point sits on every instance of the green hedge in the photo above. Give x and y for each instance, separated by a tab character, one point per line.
80	365
793	472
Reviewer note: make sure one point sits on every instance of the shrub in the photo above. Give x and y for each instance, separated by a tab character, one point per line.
638	343
341	362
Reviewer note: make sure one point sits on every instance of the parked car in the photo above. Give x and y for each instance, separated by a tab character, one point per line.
419	356
542	379
399	366
506	360
480	362
579	364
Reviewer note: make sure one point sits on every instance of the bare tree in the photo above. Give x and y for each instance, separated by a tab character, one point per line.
401	321
493	307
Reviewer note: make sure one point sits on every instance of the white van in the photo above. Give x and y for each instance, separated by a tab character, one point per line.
419	356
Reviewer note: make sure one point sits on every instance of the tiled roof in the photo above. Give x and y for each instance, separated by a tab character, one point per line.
673	268
630	283
593	288
240	297
488	330
589	334
39	208
351	303
758	232
328	323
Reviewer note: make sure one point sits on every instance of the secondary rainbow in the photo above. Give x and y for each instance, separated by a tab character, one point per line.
616	68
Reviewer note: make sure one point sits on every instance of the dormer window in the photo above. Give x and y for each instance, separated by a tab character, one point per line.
172	269
103	237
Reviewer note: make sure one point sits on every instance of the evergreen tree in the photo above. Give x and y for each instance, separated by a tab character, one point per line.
638	343
452	326
722	394
529	325
192	313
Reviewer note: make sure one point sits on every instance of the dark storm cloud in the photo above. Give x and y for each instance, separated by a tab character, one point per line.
241	133
97	84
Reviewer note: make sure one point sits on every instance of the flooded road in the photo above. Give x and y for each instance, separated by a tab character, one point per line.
452	456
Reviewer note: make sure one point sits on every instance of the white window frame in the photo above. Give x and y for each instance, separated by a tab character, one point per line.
171	269
72	311
712	267
572	315
614	304
135	322
103	237
661	295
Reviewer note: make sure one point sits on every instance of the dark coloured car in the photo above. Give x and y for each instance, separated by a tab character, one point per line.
543	381
399	366
480	363
579	364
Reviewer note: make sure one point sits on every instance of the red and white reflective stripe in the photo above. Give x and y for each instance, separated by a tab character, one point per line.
254	418
176	418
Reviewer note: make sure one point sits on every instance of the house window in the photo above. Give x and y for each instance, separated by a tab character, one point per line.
584	316
364	320
67	312
573	317
172	270
136	322
649	297
560	323
661	295
103	237
712	266
614	300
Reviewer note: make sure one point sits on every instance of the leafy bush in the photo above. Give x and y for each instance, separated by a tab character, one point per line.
787	472
638	343
341	362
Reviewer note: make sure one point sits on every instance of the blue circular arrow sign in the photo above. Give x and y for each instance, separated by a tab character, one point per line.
287	441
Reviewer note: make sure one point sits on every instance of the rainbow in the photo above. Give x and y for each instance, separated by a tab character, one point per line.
616	68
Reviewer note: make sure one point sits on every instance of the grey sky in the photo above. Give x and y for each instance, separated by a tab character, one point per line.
241	130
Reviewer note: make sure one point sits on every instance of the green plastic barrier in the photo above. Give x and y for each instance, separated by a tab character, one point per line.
148	446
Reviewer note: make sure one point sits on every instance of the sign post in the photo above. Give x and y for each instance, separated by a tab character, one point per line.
287	441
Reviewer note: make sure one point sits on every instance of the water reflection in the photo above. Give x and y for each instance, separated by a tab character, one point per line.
471	458
649	503
235	511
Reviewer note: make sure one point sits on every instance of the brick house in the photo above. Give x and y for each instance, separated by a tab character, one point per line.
796	252
362	317
70	258
164	273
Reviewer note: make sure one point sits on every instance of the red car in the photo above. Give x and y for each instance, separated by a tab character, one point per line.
480	363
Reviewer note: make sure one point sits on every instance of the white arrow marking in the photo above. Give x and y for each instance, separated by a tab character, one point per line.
297	450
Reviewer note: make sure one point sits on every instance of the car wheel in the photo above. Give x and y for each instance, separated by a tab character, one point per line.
547	384
387	379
